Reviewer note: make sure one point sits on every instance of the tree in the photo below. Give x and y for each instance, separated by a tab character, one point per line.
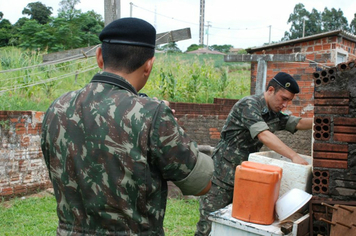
67	9
5	32
333	20
38	11
353	25
221	48
296	18
91	24
194	47
1	15
170	47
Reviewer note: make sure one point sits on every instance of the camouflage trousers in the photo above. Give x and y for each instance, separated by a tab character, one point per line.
214	200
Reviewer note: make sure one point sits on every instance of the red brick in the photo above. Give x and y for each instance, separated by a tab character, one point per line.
332	164
330	147
331	110
331	94
335	101
345	129
344	121
349	138
330	155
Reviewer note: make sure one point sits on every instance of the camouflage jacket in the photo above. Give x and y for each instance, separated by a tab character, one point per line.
110	154
248	117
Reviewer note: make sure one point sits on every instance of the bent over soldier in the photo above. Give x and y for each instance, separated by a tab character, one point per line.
250	124
110	152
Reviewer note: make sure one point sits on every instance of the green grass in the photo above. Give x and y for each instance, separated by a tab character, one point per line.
36	215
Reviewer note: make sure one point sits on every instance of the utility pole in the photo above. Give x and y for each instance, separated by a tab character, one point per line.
112	10
207	35
131	6
270	27
201	25
303	26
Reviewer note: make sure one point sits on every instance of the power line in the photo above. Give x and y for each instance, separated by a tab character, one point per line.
191	23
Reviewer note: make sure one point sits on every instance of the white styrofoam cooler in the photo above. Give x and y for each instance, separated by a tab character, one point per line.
293	176
224	224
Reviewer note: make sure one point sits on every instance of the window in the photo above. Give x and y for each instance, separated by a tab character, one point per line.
340	58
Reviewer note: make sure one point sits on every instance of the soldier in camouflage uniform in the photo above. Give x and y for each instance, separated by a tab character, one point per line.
250	124
110	152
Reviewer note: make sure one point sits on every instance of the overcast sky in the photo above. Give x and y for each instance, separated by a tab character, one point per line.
242	24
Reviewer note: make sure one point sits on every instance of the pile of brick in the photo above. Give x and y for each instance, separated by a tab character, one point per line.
334	146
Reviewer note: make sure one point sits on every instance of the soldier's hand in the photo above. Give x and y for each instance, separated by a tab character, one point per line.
299	160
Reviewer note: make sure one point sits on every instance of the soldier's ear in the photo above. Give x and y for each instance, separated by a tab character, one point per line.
99	57
148	66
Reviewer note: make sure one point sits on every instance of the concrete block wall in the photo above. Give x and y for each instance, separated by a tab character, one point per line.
22	168
323	51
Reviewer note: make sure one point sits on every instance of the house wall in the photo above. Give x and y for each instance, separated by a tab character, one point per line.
320	54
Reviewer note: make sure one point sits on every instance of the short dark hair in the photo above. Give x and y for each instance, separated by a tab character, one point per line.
275	85
126	58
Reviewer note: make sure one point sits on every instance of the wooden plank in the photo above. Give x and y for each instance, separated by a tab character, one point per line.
173	36
161	38
343	221
265	57
301	226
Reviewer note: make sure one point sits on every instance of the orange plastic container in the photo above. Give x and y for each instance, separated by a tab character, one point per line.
256	191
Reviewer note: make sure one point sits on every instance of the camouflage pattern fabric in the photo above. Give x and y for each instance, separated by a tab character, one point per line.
110	154
249	115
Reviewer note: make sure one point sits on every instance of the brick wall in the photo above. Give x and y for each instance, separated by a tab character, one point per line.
323	51
334	147
22	168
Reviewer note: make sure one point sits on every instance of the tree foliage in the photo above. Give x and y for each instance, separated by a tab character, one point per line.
334	20
221	48
353	25
314	22
38	11
67	9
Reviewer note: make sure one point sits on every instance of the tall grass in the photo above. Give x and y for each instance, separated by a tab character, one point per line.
175	77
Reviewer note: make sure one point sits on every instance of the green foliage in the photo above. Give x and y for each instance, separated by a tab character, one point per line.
314	22
333	20
174	77
353	25
170	47
38	11
194	47
67	9
221	48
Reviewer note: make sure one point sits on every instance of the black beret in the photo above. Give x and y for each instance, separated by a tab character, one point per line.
130	31
287	82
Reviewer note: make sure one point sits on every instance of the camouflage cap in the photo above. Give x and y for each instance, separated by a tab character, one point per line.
130	31
287	82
